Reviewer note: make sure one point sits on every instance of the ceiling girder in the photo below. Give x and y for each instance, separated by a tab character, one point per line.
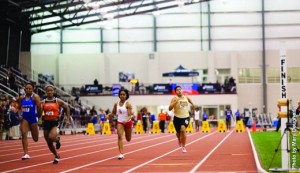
68	13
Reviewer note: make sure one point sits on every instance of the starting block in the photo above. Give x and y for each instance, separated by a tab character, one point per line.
221	126
189	128
90	129
240	126
171	128
155	128
139	128
205	127
106	129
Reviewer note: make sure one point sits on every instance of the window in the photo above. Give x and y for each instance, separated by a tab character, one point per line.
221	74
250	75
293	75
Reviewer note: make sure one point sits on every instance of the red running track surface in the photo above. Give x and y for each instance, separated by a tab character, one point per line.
212	152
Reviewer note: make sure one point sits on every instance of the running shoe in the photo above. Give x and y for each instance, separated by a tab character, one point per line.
183	149
56	159
120	156
25	157
58	143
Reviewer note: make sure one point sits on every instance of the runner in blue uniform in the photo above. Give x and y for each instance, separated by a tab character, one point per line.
29	112
228	113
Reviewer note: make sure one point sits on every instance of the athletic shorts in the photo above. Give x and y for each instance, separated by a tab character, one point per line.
127	125
178	122
48	125
30	119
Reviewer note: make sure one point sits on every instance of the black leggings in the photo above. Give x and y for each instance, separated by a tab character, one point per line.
178	122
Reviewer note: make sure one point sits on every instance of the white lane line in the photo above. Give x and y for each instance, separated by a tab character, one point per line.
93	163
134	168
80	155
74	143
17	142
258	165
42	143
74	149
205	158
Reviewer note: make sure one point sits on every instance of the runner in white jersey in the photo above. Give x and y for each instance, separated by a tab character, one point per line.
197	118
124	123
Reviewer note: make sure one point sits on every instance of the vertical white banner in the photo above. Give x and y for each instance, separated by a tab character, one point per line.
283	94
283	75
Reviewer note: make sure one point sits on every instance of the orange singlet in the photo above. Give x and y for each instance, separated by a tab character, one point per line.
51	109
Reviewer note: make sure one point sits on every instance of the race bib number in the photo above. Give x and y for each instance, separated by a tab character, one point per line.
183	104
25	109
186	122
49	113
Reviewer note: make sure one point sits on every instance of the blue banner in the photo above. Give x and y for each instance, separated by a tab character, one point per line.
115	89
210	88
96	89
162	88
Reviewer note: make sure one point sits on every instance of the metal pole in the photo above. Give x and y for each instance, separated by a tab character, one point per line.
209	25
154	34
201	27
20	45
101	40
264	81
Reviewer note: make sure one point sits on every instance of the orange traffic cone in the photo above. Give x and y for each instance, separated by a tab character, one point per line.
254	126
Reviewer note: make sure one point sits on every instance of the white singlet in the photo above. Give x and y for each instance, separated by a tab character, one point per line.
122	112
197	115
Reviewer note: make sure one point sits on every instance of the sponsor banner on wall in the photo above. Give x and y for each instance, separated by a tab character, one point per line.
95	89
187	88
210	88
162	88
115	89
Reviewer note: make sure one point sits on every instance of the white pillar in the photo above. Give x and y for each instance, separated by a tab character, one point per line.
154	74
211	76
283	90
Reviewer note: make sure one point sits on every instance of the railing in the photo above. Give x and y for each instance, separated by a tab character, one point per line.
11	96
8	89
64	94
249	79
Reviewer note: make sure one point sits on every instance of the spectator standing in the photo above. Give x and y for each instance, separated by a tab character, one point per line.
246	116
102	118
237	115
162	120
96	82
152	119
12	82
197	118
298	109
145	119
228	113
205	116
14	130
